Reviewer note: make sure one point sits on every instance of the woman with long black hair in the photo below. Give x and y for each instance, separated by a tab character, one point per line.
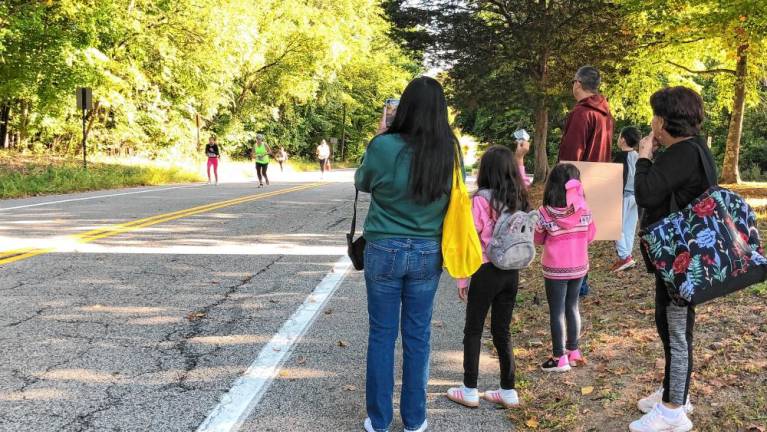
408	172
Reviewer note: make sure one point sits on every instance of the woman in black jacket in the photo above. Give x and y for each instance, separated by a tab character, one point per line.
671	182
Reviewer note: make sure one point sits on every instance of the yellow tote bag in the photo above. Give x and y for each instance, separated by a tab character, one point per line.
461	250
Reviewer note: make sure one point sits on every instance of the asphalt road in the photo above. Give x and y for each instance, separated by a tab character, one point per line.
145	322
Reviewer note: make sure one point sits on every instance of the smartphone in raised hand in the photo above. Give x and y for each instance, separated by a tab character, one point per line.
390	110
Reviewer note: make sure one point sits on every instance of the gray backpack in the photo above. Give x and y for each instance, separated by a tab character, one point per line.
512	246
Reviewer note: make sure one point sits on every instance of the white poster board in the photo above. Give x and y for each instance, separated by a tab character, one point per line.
603	186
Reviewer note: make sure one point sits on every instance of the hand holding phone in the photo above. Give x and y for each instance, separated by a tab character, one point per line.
646	146
390	110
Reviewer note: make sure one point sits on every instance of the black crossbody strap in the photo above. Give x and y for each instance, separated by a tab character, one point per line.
709	168
354	214
708	163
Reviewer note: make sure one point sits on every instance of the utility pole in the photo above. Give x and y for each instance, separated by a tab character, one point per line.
197	124
343	133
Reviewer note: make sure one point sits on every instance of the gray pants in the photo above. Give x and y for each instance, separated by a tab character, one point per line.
564	313
675	327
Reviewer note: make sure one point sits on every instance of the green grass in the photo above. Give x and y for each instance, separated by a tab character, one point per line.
63	176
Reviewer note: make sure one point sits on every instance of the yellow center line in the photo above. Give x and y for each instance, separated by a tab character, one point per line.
7	257
140	223
14	252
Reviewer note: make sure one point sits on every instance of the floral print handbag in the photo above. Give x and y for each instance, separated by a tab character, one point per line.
708	249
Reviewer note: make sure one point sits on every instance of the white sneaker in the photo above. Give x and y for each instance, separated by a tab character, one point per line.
422	428
511	399
655	421
369	425
647	404
464	396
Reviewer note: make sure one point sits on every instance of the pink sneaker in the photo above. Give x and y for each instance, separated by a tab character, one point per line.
561	364
575	358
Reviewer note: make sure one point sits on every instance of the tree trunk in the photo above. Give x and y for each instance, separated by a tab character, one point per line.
542	116
540	139
23	132
730	171
5	117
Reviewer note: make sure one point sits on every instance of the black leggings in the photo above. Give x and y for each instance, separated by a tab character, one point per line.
490	287
322	165
564	314
261	172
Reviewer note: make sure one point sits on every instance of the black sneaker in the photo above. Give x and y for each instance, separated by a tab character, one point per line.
552	365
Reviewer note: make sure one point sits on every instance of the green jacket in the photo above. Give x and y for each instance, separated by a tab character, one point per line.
385	174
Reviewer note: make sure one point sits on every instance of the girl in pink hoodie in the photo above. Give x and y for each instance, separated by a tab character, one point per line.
565	229
501	189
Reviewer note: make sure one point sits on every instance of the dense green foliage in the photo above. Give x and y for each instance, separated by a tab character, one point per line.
511	62
286	68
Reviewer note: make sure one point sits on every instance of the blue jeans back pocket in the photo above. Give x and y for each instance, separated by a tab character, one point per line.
428	266
379	261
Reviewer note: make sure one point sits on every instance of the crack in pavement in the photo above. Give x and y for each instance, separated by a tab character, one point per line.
337	223
37	313
28	380
19	285
191	357
85	421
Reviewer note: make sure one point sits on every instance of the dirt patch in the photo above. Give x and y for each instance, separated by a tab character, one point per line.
755	194
729	385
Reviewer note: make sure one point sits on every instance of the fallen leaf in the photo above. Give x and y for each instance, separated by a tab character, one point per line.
754	428
660	363
587	390
301	360
438	324
328	311
532	423
343	343
350	387
194	316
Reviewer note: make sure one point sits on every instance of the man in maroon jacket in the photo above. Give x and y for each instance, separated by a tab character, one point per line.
588	132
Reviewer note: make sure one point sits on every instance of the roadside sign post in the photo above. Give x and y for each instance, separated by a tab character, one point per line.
84	103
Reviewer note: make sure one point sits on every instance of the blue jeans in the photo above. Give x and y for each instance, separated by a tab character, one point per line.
625	245
401	276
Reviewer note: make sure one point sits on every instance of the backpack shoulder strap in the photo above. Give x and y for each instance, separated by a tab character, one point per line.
485	193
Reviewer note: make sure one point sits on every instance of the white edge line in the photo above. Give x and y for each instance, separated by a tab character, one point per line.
95	197
247	391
